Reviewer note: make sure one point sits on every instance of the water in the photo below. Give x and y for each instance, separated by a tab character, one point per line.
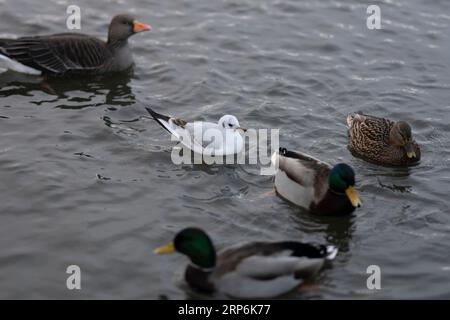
87	180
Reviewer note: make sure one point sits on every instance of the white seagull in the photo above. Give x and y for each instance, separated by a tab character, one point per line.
207	138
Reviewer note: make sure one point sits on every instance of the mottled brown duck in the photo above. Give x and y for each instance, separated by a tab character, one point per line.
73	53
381	140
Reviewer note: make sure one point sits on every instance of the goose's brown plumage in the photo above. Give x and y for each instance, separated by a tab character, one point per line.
381	140
73	53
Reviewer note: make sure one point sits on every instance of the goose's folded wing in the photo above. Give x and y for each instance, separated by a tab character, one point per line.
58	53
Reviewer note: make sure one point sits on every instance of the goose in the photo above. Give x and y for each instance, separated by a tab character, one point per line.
73	53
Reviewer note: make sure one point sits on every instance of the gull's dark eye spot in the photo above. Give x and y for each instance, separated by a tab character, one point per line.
230	125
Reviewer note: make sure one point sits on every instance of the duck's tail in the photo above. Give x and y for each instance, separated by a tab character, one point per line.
350	118
358	116
332	251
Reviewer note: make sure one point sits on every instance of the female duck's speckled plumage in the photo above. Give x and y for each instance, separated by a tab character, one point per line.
315	185
251	270
381	140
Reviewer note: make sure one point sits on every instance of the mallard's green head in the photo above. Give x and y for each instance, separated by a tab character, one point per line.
195	244
342	180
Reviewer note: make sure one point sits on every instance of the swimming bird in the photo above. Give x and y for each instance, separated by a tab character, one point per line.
315	185
207	138
381	140
250	270
73	53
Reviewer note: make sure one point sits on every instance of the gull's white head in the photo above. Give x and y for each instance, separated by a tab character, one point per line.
230	122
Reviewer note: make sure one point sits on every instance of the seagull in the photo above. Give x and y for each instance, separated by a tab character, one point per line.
207	138
73	53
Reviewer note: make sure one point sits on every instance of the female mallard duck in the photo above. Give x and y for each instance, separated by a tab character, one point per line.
315	185
381	140
251	270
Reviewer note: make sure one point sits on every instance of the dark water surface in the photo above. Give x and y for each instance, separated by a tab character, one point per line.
86	180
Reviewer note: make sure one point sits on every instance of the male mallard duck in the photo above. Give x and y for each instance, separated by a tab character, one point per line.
381	140
251	270
315	185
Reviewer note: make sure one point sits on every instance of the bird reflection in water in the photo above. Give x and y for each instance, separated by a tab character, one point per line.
86	92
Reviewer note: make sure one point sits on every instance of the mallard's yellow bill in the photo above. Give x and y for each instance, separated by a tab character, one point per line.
411	154
168	248
353	196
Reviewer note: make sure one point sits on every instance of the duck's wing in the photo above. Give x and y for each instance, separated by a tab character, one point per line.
58	53
230	257
262	270
369	128
300	178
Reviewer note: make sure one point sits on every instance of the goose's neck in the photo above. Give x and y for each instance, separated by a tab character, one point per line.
116	45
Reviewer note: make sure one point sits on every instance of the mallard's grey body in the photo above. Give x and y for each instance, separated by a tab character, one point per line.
304	181
261	269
